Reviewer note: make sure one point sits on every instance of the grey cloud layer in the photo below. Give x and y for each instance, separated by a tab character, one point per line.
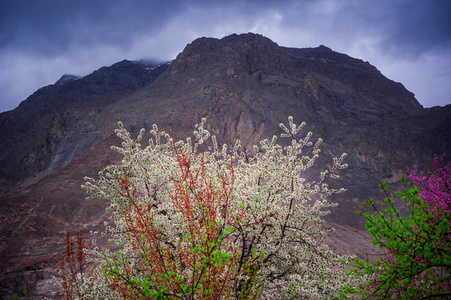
41	40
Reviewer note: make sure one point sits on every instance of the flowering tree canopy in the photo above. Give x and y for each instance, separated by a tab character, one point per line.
416	262
191	220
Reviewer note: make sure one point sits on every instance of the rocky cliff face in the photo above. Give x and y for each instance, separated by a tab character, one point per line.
246	84
60	121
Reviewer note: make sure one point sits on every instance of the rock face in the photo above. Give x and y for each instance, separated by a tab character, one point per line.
58	122
246	84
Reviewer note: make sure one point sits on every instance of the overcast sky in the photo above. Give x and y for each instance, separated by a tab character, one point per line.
409	41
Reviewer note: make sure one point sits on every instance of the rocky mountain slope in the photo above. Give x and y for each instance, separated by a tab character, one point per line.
58	122
246	84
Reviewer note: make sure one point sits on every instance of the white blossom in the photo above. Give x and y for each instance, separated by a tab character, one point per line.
283	227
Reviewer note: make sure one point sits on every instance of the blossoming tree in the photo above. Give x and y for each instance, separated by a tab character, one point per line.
416	258
191	220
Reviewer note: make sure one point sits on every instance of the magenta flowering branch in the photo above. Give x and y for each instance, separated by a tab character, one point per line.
435	187
416	258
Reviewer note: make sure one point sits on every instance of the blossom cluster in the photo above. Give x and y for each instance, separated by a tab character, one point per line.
193	220
435	187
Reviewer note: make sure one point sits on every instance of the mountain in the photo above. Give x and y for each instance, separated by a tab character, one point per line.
245	84
58	122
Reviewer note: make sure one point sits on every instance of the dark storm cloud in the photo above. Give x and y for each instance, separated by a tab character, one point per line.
408	40
50	27
402	27
418	26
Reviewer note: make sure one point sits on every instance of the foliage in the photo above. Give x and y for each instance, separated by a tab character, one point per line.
28	295
193	221
416	262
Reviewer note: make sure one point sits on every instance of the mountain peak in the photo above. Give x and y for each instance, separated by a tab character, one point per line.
66	78
233	41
